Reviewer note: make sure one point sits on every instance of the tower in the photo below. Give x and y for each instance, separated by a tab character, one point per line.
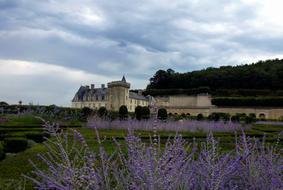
118	94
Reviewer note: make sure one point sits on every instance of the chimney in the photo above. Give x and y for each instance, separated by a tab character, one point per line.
102	85
92	86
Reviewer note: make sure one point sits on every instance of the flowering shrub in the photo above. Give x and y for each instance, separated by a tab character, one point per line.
179	165
184	125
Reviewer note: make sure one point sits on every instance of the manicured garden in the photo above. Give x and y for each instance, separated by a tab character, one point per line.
22	137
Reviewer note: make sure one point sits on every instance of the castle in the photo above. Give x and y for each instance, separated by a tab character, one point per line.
118	93
113	97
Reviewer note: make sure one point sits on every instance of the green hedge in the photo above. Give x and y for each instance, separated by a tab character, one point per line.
249	101
37	137
2	153
14	145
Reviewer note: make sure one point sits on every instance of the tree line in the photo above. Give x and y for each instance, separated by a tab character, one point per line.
263	77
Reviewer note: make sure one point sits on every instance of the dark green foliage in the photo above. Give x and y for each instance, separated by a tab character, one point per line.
162	114
200	117
102	112
145	112
219	116
138	112
86	112
2	153
248	101
259	78
4	104
123	112
15	145
37	137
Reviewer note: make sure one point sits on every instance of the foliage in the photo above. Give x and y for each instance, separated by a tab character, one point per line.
102	112
86	112
123	112
145	112
185	125
162	114
263	75
138	112
15	145
200	117
219	116
2	153
248	101
38	137
179	165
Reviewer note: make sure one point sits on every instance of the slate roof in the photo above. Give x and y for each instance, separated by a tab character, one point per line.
84	91
137	96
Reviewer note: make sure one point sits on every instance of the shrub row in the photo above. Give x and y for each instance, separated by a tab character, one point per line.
15	144
250	101
2	153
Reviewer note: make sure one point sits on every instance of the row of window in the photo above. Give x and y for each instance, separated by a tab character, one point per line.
91	98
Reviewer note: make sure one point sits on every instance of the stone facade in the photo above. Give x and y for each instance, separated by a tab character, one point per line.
113	97
201	104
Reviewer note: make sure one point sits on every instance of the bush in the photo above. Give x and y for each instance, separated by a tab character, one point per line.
86	112
200	117
102	112
138	112
37	137
219	116
15	145
145	112
123	112
162	114
2	153
248	101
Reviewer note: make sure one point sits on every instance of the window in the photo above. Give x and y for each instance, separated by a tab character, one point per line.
103	97
96	97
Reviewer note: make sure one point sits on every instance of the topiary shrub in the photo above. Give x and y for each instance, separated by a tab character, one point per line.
200	117
37	137
162	114
2	153
15	144
102	112
145	112
138	112
123	112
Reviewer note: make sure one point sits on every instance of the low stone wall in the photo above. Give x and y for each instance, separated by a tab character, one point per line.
268	113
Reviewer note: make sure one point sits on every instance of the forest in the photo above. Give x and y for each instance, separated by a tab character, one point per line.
263	78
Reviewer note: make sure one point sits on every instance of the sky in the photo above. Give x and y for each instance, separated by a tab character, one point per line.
48	48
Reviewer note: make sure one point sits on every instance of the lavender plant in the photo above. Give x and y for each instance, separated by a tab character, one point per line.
71	164
181	126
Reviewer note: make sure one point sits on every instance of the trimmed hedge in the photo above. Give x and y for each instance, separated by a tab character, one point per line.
37	137
2	153
249	101
14	145
162	114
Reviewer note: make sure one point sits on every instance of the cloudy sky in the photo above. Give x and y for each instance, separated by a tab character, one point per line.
48	48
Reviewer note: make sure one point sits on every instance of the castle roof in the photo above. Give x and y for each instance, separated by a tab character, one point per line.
86	92
137	96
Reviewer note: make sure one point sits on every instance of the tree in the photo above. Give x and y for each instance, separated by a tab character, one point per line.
123	112
145	112
102	112
138	112
162	114
86	112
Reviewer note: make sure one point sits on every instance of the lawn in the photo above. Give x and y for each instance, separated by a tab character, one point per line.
14	165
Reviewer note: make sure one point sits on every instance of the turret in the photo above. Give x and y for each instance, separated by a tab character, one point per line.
118	94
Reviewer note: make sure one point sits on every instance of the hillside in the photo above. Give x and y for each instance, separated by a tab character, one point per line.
261	78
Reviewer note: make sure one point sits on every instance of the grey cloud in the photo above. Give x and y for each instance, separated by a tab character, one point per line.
135	38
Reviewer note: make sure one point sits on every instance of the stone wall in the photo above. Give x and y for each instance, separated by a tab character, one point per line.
268	113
